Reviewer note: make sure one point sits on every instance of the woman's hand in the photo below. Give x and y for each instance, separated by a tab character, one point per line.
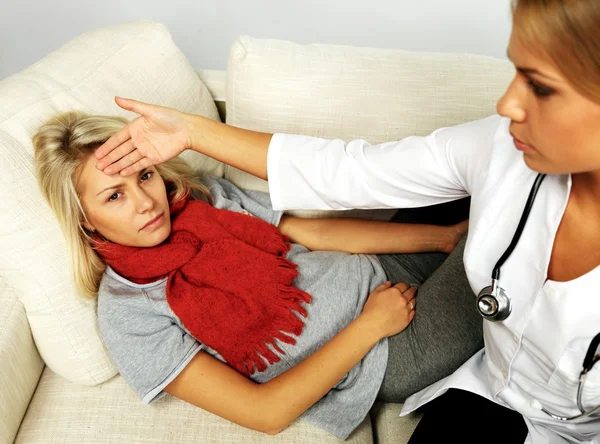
216	387
159	134
391	308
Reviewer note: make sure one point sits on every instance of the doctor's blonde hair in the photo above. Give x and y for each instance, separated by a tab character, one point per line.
61	147
568	33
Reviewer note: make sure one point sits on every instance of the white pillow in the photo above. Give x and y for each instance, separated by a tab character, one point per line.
346	92
137	60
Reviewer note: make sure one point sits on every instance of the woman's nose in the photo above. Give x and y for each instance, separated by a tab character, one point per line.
143	201
511	104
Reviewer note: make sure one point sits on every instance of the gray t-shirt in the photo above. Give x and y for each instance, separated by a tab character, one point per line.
150	346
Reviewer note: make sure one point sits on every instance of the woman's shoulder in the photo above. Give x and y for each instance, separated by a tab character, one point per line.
116	291
113	283
119	298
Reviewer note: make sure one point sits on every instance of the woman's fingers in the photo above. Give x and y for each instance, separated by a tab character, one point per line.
402	286
409	293
383	286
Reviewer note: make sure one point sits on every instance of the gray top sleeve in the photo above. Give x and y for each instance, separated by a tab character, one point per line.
147	345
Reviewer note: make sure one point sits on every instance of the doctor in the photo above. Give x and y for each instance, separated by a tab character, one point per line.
533	174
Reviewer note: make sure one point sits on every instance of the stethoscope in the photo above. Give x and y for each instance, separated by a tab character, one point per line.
494	305
493	302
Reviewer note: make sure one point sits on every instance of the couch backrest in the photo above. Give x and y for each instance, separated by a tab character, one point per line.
348	92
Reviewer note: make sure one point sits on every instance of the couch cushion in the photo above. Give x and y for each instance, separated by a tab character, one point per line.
111	413
389	426
20	363
349	92
136	60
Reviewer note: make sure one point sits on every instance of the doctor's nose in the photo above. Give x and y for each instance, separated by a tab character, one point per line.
511	104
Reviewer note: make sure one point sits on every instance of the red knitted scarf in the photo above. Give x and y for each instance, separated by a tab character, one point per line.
229	281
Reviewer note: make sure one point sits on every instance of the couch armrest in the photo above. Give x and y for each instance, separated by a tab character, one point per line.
20	363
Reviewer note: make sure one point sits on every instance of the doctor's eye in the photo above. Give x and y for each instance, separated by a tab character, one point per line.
540	90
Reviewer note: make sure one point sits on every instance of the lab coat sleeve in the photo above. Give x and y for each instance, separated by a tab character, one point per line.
312	173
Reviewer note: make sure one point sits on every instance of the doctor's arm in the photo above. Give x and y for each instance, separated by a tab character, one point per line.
309	172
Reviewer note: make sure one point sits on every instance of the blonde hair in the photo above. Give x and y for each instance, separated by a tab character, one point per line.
61	146
568	33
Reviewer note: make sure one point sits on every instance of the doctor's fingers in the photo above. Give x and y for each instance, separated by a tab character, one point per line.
118	153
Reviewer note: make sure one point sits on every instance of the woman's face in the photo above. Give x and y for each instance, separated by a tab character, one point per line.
555	126
132	210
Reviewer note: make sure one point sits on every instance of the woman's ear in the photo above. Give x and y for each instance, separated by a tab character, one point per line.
87	226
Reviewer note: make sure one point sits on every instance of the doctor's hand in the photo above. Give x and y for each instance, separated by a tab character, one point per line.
390	308
159	134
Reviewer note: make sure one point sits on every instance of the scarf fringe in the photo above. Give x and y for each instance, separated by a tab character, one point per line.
254	359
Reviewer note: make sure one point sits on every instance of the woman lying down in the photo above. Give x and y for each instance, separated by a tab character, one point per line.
204	292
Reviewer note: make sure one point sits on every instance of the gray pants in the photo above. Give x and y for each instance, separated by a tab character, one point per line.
447	329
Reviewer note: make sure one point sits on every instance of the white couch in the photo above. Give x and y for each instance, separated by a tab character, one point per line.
57	384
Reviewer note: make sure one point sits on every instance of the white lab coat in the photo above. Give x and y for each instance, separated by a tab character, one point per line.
537	352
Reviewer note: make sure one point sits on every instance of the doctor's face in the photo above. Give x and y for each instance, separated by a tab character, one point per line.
132	210
555	126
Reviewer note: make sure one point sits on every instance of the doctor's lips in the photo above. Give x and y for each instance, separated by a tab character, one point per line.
154	223
522	146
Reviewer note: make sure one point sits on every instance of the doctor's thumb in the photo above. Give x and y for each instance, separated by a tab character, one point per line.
135	106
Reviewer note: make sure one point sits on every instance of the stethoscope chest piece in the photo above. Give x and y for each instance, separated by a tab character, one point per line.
493	303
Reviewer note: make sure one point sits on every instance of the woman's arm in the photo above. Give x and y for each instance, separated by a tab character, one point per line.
371	237
272	406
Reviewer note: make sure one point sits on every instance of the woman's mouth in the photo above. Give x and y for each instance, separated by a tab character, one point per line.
522	146
154	223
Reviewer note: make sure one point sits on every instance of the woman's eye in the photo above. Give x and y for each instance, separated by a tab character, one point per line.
147	175
113	197
539	90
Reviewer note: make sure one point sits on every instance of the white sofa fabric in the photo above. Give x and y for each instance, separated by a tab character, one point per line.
274	86
20	363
